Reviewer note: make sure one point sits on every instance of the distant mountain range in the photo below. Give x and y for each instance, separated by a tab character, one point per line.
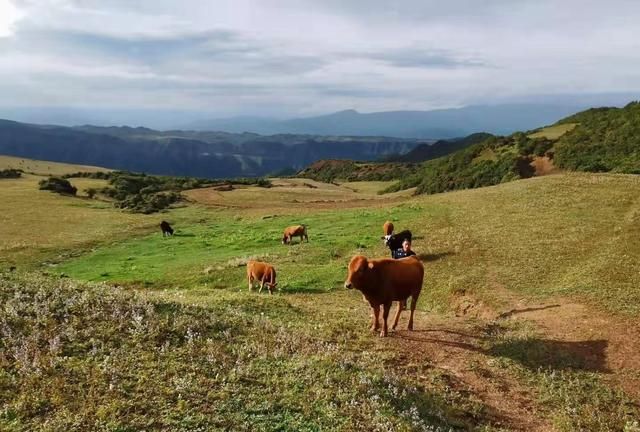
437	124
188	153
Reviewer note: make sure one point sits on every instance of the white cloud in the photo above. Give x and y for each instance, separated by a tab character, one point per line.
305	56
9	14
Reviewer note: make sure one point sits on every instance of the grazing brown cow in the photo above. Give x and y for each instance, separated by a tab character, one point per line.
263	273
387	228
294	231
383	281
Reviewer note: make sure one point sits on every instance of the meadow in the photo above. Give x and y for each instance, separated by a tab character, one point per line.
163	333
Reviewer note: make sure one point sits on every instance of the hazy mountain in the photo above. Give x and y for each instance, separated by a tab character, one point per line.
437	124
191	153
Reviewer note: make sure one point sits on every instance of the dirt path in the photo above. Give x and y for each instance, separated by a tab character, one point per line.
461	348
605	344
457	347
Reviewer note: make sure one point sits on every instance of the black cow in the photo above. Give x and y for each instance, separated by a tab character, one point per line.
394	241
166	228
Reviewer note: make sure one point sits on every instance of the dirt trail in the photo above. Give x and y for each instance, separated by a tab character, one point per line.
593	341
460	347
605	344
457	347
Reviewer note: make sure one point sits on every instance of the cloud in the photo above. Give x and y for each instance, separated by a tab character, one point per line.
421	58
298	57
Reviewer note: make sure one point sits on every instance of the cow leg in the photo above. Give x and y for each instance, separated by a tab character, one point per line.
261	286
250	283
400	309
375	311
414	300
385	315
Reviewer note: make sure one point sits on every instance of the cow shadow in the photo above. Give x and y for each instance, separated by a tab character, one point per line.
532	353
183	235
535	354
299	289
435	256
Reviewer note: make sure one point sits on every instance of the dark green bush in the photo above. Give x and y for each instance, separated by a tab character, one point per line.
58	185
10	173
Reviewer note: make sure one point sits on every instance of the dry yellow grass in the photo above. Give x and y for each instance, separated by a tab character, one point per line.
84	183
299	195
35	223
44	167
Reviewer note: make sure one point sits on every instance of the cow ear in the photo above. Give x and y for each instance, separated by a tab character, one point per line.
370	265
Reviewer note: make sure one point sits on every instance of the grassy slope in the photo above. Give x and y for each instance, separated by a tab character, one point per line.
44	167
554	132
37	225
237	359
555	235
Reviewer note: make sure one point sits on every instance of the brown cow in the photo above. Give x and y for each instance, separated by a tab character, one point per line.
387	228
263	273
383	281
294	231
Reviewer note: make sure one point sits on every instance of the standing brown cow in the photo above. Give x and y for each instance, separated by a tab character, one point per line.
263	273
387	228
294	231
383	281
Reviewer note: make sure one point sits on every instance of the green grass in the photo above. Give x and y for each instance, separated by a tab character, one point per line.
223	244
559	235
300	359
554	132
91	357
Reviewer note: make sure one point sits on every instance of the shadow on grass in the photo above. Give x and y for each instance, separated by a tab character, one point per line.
299	289
536	353
532	353
435	256
529	309
183	235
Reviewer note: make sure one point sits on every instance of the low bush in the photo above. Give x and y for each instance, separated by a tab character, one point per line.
58	185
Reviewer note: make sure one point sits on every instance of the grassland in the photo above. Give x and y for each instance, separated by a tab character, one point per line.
184	345
37	226
44	168
554	132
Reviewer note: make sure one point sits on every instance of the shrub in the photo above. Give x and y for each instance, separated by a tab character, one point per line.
10	173
58	185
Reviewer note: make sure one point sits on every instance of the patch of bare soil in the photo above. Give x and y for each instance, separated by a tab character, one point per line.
455	346
460	348
543	165
605	344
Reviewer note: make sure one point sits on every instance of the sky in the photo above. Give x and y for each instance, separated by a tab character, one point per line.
305	57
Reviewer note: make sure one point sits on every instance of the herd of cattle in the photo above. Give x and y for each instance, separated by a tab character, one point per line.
381	281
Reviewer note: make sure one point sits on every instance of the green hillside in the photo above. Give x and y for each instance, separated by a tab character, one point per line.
596	140
606	139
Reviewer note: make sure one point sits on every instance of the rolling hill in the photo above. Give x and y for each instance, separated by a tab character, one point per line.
198	154
596	140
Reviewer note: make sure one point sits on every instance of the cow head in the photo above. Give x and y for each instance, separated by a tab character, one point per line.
284	240
358	269
386	239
